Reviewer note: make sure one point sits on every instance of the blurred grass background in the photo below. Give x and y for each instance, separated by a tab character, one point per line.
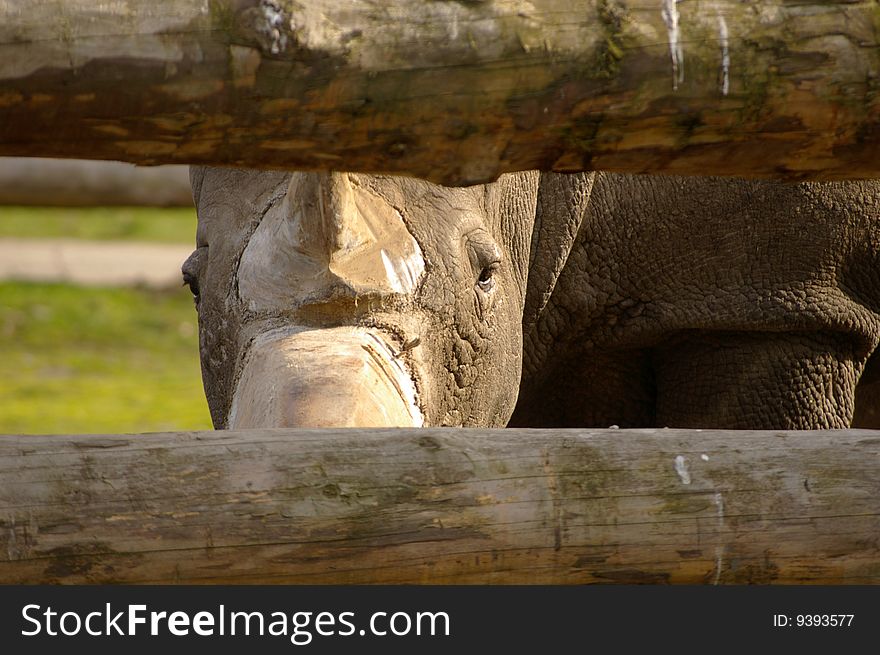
163	225
98	359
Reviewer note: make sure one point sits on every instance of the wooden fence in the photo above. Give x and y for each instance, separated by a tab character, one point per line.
442	506
452	91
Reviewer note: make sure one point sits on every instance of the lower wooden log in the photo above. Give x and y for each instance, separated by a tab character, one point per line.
442	506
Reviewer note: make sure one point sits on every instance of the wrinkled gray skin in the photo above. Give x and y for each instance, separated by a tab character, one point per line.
650	301
705	302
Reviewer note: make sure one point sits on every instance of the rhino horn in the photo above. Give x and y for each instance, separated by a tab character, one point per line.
332	241
325	216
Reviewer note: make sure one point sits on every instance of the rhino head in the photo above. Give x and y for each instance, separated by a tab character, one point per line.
337	299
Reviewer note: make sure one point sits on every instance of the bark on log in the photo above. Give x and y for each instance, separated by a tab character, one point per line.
457	91
442	506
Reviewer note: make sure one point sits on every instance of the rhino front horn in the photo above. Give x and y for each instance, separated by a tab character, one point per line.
329	377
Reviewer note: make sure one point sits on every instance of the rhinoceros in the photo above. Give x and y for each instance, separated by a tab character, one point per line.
339	299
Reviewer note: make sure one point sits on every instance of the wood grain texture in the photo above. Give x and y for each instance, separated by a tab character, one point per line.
442	506
456	91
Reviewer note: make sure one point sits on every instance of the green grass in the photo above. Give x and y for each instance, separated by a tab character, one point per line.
166	225
85	360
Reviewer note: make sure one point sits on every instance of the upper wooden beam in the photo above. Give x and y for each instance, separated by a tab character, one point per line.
456	91
442	506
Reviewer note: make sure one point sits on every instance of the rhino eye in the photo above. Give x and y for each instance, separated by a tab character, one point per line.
485	258
486	281
192	270
193	283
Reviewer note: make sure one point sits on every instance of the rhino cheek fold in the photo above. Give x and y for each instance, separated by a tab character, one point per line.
331	377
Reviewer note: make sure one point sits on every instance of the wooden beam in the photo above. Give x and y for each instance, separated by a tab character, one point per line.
442	506
85	183
456	91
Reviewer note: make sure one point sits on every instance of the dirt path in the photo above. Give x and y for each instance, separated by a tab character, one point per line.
99	263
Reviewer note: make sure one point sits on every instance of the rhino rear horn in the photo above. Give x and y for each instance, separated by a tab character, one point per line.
327	218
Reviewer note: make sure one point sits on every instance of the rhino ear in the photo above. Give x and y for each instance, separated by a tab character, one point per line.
561	206
196	176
